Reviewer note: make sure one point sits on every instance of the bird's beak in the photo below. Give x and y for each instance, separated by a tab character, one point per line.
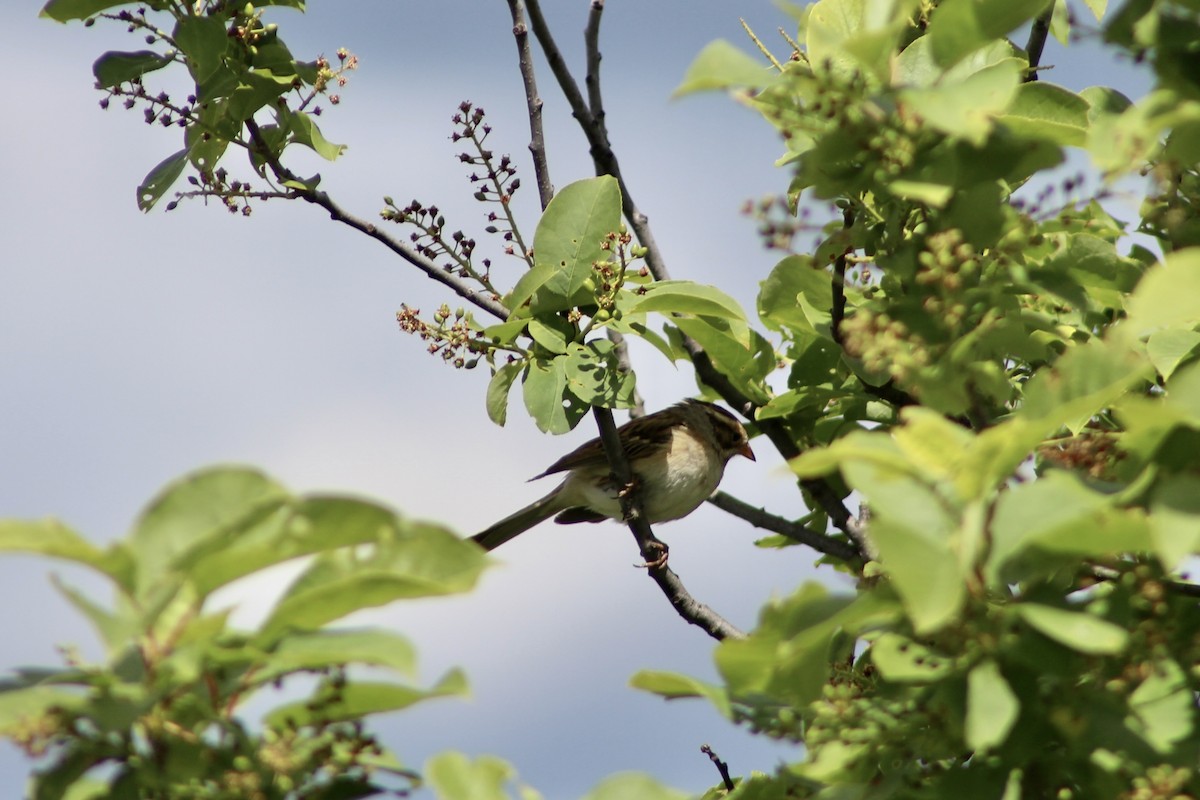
747	452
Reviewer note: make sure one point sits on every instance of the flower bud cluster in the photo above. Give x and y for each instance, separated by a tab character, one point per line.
453	340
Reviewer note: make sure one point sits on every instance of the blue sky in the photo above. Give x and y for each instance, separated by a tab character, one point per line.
135	347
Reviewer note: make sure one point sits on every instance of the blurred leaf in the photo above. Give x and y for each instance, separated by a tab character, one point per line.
1164	707
1175	519
1075	629
924	569
114	67
160	179
209	504
959	27
992	707
1167	297
855	35
720	65
1082	383
455	777
317	650
633	786
498	389
1168	348
418	560
553	408
22	706
116	629
1041	110
686	297
50	537
967	109
356	699
672	686
903	660
276	534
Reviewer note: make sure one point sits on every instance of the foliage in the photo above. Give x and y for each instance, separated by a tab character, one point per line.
1004	376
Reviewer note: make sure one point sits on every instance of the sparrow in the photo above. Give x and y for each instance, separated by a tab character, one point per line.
677	455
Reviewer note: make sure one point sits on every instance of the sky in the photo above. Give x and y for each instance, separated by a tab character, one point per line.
137	347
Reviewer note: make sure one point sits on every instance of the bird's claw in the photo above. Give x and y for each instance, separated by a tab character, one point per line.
661	560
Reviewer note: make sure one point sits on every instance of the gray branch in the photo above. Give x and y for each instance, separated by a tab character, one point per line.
760	518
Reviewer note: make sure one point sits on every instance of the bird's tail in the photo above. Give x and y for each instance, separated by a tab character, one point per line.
519	522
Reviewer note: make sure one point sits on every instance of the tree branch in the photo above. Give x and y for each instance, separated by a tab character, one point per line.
1037	40
760	518
652	549
721	766
481	299
606	163
591	41
533	103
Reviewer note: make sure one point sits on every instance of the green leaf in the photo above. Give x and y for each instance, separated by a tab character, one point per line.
50	537
673	686
1167	297
212	504
992	708
570	237
455	777
1163	707
1082	383
1041	110
160	179
746	365
686	297
114	67
1175	519
1074	629
204	41
498	389
779	295
116	629
1168	348
902	660
66	10
924	569
959	27
553	408
967	109
552	333
358	698
305	132
850	36
720	65
416	560
633	786
595	376
272	533
21	706
1039	525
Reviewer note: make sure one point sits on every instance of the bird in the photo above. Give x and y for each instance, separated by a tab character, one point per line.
677	456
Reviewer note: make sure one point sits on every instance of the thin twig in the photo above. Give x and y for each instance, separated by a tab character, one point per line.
484	300
533	103
760	518
652	549
721	766
1037	40
762	48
